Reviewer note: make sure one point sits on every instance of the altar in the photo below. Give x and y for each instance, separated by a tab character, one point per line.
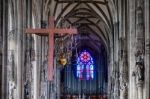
83	97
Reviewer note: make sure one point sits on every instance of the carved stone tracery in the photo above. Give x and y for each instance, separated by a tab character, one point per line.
140	44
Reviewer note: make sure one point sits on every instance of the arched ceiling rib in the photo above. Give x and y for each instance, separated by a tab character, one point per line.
81	1
94	15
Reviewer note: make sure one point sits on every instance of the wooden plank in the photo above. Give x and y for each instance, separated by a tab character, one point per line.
66	30
46	31
50	56
38	31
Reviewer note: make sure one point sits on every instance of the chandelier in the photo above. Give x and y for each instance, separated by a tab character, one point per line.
63	50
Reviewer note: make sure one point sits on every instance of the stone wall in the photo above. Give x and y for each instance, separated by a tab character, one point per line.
23	58
1	11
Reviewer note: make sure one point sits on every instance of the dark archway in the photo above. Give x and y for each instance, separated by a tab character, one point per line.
97	87
94	22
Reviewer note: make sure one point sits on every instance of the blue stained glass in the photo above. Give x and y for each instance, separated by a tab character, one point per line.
91	67
85	66
78	73
78	67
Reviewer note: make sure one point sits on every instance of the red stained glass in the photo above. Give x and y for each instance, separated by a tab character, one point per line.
85	57
85	67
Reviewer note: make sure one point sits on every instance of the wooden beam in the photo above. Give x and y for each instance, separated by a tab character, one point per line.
43	31
67	30
50	31
46	31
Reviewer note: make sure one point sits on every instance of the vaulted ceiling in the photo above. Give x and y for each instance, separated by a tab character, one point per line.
93	19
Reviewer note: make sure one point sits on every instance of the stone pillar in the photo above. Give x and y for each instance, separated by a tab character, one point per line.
140	90
19	56
11	55
110	72
140	49
123	65
51	92
123	70
58	83
36	23
147	51
1	15
28	50
4	49
55	80
131	47
53	84
35	64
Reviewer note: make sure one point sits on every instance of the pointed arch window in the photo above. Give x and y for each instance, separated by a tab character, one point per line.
85	66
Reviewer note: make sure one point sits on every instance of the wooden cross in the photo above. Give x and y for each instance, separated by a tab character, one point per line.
50	31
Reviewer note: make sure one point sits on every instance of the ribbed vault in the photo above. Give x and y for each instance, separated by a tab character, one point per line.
92	17
94	21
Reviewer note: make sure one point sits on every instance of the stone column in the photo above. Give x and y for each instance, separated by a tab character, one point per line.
140	90
58	83
1	7
131	47
35	64
55	79
53	84
140	49
123	65
12	54
19	9
34	80
147	51
36	23
4	49
123	70
28	58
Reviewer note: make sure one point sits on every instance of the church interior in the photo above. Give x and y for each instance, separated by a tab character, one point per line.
74	49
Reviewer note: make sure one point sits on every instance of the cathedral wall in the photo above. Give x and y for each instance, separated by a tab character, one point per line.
23	58
1	11
147	50
4	48
131	48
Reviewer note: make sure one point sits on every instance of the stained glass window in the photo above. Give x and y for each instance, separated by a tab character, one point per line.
85	66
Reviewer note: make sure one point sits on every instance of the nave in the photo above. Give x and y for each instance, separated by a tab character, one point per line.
74	49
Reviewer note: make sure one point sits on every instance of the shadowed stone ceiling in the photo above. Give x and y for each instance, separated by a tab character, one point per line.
92	18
